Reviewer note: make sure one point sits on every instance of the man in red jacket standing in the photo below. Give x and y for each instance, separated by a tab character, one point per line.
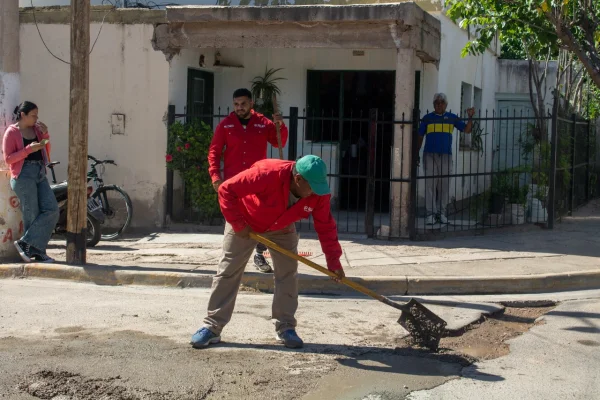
244	135
268	199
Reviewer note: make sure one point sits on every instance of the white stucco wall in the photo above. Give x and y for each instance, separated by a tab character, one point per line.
126	76
513	79
295	63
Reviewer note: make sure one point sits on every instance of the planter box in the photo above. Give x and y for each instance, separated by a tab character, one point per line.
514	214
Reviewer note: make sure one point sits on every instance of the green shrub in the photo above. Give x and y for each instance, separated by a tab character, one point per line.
187	152
506	183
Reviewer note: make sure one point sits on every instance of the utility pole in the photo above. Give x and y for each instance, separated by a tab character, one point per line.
10	93
78	131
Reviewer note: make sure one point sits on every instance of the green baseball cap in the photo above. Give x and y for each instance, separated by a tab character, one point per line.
314	170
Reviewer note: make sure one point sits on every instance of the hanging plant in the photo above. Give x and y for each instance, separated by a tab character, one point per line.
263	89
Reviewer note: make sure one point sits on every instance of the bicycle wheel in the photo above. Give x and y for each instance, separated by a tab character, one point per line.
117	210
93	231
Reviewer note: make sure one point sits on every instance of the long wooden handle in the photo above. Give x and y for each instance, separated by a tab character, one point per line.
345	281
276	111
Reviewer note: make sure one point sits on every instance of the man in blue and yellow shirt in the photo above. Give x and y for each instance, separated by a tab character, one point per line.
438	128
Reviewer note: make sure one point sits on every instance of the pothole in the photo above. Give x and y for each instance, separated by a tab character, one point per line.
63	385
485	339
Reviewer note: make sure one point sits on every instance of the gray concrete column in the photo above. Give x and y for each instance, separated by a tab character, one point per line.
400	192
10	214
9	60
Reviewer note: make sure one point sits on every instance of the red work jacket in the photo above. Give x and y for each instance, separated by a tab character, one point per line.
243	147
259	197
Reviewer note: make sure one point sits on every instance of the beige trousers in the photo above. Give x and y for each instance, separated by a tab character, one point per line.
437	165
226	283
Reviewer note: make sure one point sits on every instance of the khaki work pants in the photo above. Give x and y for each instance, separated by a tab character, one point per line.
226	283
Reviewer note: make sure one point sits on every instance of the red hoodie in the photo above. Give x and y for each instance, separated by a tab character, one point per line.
259	197
244	147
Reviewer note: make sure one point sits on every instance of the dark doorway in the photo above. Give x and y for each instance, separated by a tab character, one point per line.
342	99
200	95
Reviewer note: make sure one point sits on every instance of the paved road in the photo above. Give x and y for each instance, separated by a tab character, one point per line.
67	340
134	341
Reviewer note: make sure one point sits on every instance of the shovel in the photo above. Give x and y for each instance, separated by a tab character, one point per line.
425	327
276	111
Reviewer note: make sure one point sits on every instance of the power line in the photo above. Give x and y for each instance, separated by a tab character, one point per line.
92	49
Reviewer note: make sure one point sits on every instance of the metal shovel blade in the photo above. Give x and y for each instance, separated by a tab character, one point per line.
424	326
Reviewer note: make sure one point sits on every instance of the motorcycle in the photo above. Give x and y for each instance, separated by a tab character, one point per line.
95	216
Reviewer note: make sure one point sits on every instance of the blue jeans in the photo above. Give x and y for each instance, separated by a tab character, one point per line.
38	204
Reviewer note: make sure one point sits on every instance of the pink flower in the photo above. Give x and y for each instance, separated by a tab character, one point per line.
187	146
179	149
169	158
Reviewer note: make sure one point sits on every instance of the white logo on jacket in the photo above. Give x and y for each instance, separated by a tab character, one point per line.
308	209
228	126
259	125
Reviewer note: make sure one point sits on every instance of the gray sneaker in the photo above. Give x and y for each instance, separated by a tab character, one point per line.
261	264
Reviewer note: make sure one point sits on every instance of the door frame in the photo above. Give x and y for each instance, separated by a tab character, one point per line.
209	90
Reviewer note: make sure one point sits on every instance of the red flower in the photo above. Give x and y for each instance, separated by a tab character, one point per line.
187	146
179	149
169	158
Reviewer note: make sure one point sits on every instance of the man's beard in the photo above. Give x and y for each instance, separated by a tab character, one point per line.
245	116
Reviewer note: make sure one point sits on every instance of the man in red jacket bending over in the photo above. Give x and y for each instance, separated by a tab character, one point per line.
244	134
268	199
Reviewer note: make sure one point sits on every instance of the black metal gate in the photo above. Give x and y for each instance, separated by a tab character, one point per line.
513	169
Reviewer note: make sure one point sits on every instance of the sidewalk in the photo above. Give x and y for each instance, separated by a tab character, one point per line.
566	258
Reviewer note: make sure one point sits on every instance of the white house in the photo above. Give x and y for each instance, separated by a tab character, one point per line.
349	59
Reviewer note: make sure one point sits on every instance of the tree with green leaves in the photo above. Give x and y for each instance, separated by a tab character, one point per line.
542	25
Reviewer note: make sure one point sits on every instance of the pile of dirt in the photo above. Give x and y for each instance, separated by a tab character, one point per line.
65	385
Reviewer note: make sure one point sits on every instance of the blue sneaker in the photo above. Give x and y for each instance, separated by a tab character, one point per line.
203	337
290	339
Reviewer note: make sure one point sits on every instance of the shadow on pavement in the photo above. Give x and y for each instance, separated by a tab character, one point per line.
371	358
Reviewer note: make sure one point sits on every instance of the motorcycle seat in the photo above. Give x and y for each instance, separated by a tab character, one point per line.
59	187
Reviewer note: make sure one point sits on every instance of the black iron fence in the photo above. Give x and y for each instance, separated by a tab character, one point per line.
512	169
496	176
577	164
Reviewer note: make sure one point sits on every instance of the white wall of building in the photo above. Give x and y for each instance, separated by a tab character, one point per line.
295	63
127	77
513	79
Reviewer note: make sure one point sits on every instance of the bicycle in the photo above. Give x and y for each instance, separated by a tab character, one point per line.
115	202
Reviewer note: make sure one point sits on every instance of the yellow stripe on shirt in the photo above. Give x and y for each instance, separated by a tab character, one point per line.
440	128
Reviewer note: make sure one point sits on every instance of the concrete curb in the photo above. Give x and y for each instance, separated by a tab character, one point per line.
309	284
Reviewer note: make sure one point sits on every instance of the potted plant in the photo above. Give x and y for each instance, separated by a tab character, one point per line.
263	89
477	138
516	198
508	195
